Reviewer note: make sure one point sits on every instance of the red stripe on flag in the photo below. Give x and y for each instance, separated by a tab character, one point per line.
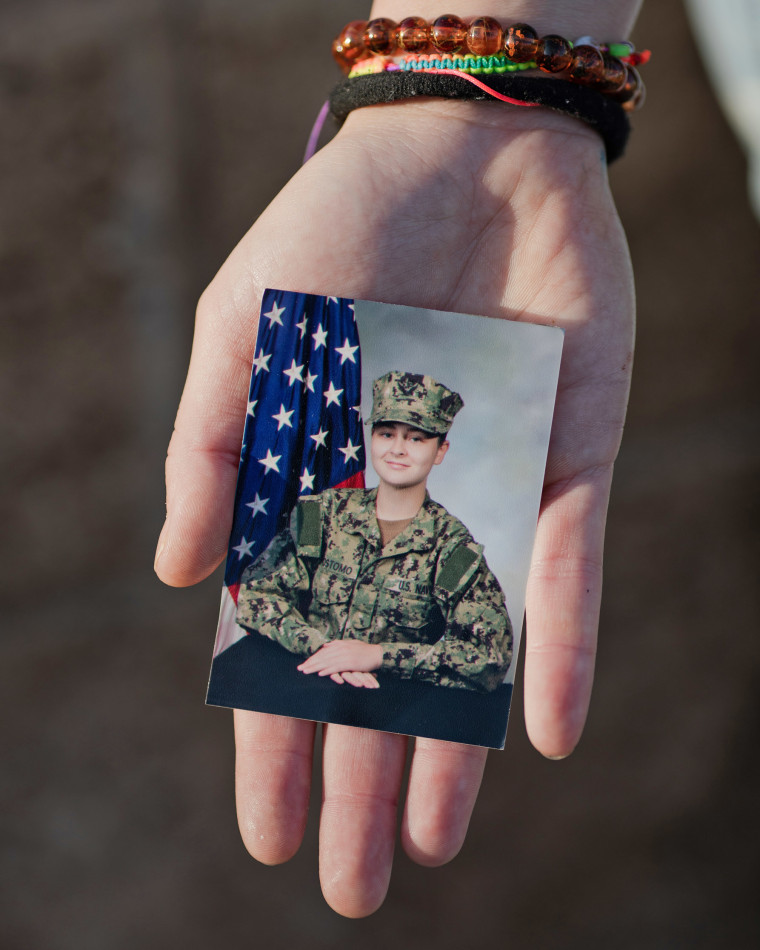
234	590
355	481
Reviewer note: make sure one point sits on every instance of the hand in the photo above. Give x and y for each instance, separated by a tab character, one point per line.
456	206
367	680
342	655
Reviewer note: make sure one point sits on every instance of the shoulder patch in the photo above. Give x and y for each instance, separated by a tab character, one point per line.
458	566
309	524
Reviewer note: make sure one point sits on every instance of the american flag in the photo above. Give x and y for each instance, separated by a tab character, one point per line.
303	429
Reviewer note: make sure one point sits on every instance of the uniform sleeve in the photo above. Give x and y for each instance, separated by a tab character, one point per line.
275	590
476	649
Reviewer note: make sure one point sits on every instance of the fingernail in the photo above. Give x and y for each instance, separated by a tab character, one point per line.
160	547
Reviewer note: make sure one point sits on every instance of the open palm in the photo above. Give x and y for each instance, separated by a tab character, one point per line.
456	206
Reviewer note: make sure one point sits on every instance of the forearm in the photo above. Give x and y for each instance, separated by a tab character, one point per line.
475	651
449	663
272	615
271	595
603	19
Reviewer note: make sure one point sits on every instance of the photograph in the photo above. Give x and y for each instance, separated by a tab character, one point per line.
164	163
377	566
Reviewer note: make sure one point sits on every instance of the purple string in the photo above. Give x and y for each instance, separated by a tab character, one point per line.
311	145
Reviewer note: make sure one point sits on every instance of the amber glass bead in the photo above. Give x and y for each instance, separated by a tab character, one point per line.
632	92
380	36
521	43
485	36
614	74
554	53
629	86
638	100
587	65
448	33
348	45
412	35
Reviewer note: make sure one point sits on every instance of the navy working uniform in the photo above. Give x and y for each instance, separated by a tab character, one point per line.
427	597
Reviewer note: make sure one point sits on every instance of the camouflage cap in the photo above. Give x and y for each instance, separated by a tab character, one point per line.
417	400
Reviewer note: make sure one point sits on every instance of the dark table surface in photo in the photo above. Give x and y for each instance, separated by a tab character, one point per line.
257	673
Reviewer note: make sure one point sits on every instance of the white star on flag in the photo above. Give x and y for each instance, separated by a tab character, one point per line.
346	352
257	506
283	418
334	299
319	438
320	337
332	394
275	314
299	411
357	409
262	362
243	549
350	452
270	461
295	373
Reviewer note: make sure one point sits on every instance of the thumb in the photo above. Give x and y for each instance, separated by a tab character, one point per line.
204	452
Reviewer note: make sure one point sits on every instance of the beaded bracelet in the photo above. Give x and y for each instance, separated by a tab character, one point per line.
609	68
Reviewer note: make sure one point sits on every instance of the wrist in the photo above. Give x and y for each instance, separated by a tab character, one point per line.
604	19
483	129
470	154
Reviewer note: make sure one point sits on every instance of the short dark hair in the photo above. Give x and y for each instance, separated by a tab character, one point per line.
395	422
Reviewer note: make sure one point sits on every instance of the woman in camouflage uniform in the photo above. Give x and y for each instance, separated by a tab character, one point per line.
385	579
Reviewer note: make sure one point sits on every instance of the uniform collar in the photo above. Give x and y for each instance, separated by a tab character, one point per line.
420	535
361	511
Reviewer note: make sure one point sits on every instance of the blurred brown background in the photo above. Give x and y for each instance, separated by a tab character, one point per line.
139	141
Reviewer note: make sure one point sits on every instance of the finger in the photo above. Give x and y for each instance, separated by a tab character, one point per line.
307	667
362	780
204	452
443	784
562	611
324	666
337	678
272	779
364	679
354	679
315	667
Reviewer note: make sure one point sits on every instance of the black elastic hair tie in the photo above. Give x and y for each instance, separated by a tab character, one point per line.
602	113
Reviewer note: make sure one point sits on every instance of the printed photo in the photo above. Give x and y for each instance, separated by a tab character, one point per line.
387	497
